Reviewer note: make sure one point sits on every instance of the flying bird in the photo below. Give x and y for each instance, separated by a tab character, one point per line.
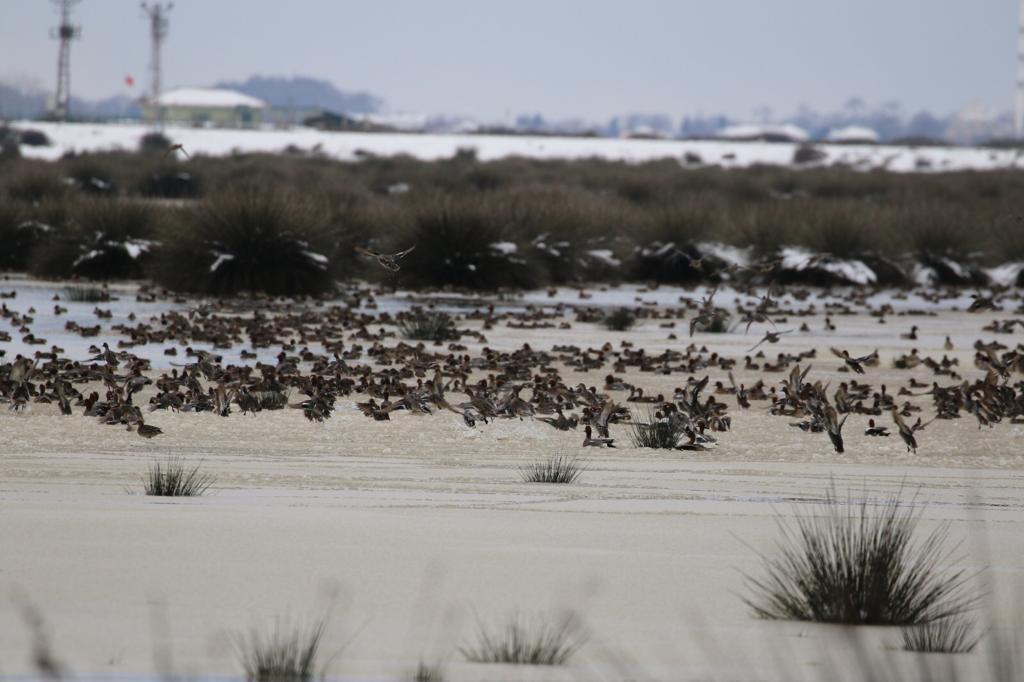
770	337
856	364
176	148
907	432
387	261
707	314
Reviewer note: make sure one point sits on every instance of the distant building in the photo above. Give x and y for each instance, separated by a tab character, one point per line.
853	135
786	132
208	107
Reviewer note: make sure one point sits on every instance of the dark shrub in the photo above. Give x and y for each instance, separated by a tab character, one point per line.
34	138
859	563
842	228
766	227
641	190
939	227
422	325
359	220
18	235
570	235
668	251
93	177
169	182
98	239
888	273
619	320
807	153
9	144
462	243
952	269
34	183
248	242
154	143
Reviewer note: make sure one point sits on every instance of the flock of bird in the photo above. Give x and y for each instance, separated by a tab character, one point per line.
331	353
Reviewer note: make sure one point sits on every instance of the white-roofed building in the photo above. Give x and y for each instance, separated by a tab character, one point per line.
853	135
208	107
785	132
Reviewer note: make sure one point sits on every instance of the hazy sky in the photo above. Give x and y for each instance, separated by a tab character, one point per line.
562	58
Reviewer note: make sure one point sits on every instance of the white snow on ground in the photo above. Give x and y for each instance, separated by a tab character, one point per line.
85	257
221	259
733	255
555	249
923	276
795	257
665	250
34	225
320	259
1005	275
348	146
504	248
605	256
137	247
852	270
957	268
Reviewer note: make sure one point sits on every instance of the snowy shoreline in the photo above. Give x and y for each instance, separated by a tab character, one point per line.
352	146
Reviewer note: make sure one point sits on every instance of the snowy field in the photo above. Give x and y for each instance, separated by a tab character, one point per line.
346	146
418	528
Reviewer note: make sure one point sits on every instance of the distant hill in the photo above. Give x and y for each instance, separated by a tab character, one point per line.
304	92
22	102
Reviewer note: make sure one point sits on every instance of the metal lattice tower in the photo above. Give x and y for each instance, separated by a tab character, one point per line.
157	13
1018	109
65	33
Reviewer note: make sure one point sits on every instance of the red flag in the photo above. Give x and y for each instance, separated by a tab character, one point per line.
129	81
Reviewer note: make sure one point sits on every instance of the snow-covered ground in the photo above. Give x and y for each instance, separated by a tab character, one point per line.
346	146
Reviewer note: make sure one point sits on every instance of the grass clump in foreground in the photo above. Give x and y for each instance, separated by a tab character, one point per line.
953	635
619	320
554	469
519	643
656	432
428	673
174	479
858	563
424	325
283	655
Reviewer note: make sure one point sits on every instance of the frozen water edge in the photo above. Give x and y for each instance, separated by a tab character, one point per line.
39	294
